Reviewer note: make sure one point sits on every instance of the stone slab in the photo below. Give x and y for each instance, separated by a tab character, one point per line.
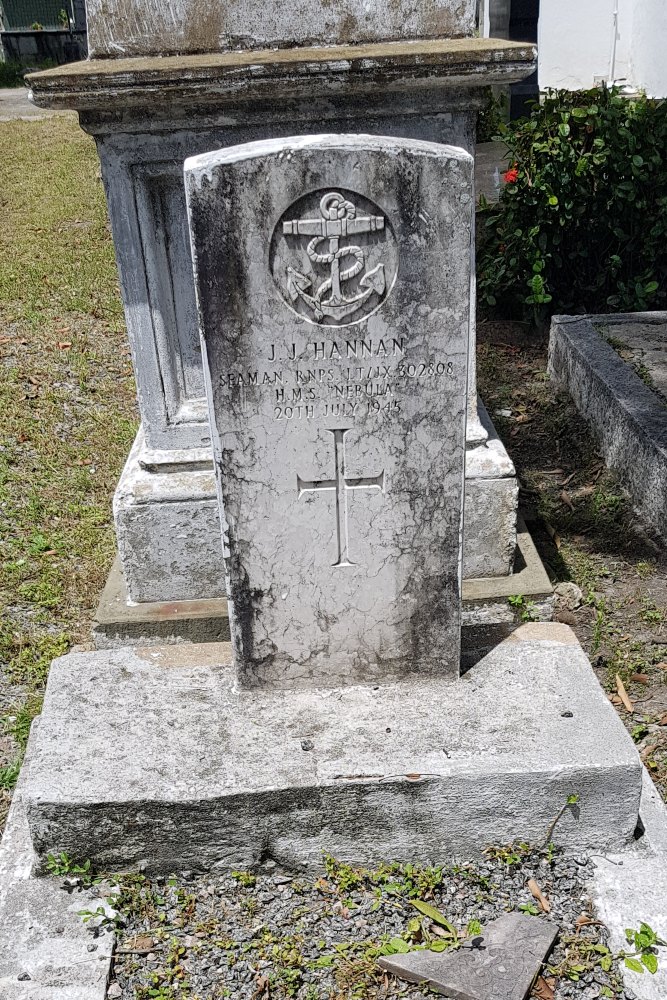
333	285
641	339
230	77
628	419
119	28
153	756
501	965
41	934
486	616
630	887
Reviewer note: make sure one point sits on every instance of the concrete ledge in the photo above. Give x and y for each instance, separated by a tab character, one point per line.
219	77
487	615
631	887
152	756
41	933
628	419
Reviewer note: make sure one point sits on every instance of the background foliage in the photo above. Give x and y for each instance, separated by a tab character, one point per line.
581	225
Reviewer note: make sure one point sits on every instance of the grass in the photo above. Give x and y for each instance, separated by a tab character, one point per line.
68	402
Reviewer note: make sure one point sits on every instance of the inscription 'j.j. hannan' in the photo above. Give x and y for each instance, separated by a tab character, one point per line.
333	350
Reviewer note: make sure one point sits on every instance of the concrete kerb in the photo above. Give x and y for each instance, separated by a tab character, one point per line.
628	419
630	887
43	939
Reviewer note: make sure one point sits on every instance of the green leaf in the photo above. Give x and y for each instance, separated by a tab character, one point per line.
606	963
637	160
474	928
438	946
650	961
435	915
634	965
553	200
399	946
651	287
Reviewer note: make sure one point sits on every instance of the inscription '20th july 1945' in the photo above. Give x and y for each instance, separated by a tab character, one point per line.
339	390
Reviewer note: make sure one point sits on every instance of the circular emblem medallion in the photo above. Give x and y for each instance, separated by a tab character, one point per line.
334	257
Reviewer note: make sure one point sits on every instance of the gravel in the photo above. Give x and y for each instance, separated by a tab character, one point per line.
273	934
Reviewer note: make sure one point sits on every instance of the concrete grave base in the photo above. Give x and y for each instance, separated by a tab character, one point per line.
487	616
150	756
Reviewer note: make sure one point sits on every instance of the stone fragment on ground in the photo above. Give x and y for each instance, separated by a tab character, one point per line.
500	964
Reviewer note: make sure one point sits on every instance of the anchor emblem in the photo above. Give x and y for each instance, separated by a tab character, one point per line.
339	220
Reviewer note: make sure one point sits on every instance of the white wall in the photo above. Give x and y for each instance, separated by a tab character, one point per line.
648	58
575	44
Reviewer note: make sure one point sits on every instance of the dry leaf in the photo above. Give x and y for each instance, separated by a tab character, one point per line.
523	418
413	777
64	345
542	990
614	699
569	478
663	721
623	694
640	678
565	497
537	893
582	491
33	380
661	666
141	942
584	920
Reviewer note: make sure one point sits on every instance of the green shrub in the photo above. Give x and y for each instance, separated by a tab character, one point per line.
581	225
11	74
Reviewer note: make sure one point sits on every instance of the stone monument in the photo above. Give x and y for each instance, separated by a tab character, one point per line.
333	275
177	79
334	298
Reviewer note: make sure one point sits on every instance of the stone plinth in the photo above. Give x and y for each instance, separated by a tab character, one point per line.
147	115
153	756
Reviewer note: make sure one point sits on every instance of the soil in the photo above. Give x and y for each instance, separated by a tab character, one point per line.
582	522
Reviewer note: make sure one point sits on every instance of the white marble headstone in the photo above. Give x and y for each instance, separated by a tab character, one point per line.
333	282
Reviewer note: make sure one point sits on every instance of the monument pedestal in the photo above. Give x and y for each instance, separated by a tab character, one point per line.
147	115
167	523
152	756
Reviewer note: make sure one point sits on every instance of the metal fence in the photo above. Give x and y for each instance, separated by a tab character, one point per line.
26	15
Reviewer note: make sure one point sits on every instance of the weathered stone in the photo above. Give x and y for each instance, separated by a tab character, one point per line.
155	755
147	115
336	326
43	941
501	964
628	419
156	27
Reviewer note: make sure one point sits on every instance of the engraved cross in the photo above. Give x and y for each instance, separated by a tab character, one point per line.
341	485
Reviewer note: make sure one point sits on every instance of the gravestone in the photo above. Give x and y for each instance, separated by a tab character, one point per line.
333	278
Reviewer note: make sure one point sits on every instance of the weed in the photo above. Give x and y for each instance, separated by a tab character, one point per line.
9	775
59	865
246	879
529	611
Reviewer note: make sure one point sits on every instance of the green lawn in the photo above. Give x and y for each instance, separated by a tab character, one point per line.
67	400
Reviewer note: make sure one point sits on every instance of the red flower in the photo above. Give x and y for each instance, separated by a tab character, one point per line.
511	175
